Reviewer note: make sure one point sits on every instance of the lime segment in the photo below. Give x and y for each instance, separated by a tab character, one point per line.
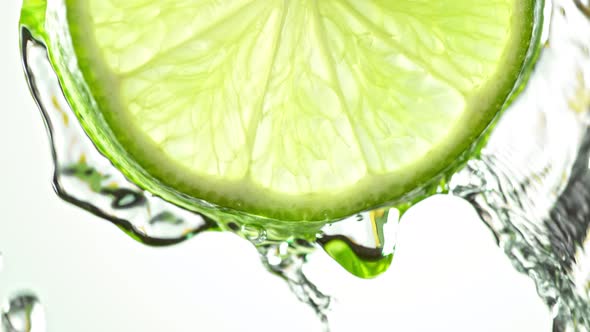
296	109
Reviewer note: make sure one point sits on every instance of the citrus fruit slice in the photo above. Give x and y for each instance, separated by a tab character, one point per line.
294	109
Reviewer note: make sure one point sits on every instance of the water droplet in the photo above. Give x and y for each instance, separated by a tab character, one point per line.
256	234
23	313
363	244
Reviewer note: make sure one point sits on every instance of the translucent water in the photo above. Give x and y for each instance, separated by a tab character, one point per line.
529	184
288	266
23	313
363	243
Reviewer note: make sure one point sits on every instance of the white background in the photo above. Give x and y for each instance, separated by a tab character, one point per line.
447	275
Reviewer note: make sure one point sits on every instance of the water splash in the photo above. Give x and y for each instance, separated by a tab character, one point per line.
23	313
362	244
287	262
84	177
531	185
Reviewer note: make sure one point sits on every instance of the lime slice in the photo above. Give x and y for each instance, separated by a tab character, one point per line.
294	109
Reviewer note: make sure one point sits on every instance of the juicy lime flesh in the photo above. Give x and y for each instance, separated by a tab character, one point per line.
296	109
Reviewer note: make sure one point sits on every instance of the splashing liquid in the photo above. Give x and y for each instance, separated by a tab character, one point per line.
530	184
23	313
363	244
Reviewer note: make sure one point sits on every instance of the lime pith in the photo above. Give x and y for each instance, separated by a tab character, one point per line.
295	110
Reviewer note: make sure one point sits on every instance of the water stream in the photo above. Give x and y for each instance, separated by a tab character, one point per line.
531	184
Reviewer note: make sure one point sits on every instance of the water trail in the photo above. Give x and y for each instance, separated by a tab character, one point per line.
284	261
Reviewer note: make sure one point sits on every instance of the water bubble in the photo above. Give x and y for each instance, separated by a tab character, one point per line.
23	313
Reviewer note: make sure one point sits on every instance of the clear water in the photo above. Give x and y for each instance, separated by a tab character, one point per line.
23	313
530	185
363	243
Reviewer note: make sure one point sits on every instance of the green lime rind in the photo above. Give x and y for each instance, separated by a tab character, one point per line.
136	161
33	18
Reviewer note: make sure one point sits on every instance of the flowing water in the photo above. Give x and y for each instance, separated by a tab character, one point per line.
530	186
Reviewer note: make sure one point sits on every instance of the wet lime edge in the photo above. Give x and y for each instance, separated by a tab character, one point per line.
32	16
268	206
290	221
366	269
